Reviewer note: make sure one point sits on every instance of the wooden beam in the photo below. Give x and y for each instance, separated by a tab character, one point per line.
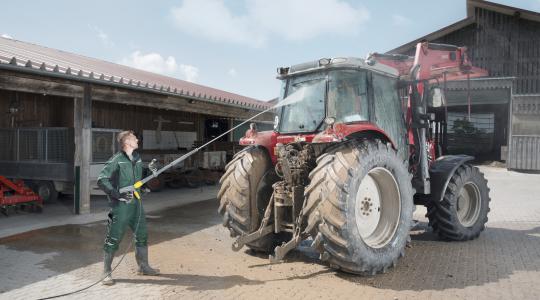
82	110
22	83
14	81
177	103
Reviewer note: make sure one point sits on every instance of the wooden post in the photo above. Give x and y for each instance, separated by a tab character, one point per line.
231	125
82	116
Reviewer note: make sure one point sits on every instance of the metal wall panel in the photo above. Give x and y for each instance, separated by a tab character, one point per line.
525	153
525	139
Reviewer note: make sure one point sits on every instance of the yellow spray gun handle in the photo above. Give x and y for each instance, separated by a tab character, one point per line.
137	185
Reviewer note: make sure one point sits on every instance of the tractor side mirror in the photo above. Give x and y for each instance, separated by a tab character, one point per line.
436	98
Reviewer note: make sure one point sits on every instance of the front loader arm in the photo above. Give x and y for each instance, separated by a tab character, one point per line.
430	63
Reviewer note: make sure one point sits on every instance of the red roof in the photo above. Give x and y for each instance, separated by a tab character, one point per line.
27	55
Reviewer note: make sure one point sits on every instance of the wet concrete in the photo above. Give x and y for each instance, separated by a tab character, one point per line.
70	247
194	253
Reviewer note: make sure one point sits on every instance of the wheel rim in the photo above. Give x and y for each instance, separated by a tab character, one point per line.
378	207
468	204
44	192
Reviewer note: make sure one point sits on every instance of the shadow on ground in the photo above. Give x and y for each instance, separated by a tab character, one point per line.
195	282
77	246
204	282
432	264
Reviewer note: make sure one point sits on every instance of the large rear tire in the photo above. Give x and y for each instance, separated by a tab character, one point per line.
246	188
359	207
462	213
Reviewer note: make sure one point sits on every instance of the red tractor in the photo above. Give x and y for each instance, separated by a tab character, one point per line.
354	149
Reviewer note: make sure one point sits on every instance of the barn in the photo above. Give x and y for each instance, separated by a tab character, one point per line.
502	112
61	111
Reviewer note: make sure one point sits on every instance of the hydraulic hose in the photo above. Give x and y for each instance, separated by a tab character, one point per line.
113	269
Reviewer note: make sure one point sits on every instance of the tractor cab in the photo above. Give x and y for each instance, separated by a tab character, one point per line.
332	100
335	88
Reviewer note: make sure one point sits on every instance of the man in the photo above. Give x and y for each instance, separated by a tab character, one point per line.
124	169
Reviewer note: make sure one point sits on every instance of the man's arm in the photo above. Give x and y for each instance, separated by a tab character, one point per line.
105	176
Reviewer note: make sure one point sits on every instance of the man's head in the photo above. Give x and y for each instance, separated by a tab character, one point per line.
127	141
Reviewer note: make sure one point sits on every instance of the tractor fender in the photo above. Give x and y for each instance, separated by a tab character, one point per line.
264	139
442	170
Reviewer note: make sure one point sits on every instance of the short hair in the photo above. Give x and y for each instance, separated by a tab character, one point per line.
122	136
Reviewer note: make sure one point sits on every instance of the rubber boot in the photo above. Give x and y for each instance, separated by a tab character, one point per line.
107	263
141	255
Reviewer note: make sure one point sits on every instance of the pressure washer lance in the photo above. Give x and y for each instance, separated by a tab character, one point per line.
295	97
133	188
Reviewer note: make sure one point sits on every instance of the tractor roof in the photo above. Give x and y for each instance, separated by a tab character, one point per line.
324	64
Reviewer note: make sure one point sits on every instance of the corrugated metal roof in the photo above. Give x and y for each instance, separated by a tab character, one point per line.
26	55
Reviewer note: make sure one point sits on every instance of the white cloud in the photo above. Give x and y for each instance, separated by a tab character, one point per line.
102	36
212	19
151	62
232	72
305	19
189	73
155	63
296	20
6	36
400	20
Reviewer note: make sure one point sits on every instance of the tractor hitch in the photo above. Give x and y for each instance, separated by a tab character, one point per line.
244	239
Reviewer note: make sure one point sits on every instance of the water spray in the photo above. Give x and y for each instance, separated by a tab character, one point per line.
295	97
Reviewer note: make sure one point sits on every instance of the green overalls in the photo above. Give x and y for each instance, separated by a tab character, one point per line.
120	172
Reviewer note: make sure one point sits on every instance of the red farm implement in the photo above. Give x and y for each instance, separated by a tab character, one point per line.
16	195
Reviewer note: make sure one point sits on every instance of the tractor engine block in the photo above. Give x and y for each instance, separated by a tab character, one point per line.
294	163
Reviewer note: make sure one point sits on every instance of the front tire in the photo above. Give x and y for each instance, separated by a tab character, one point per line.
360	205
462	214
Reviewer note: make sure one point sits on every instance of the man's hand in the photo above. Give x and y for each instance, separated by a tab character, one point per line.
126	196
115	194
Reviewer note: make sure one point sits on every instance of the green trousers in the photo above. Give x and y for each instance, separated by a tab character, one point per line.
120	217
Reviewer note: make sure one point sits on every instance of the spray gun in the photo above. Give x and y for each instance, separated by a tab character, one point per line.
153	168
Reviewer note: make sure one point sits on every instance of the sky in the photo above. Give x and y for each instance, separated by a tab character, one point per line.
232	45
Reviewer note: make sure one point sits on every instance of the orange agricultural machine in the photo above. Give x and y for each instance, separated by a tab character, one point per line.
15	195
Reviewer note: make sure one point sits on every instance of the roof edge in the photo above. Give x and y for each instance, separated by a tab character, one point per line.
90	78
501	8
434	35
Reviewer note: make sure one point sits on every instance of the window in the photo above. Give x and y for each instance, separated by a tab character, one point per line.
347	96
388	113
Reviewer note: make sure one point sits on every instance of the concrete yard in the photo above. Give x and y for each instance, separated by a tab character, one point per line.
193	251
